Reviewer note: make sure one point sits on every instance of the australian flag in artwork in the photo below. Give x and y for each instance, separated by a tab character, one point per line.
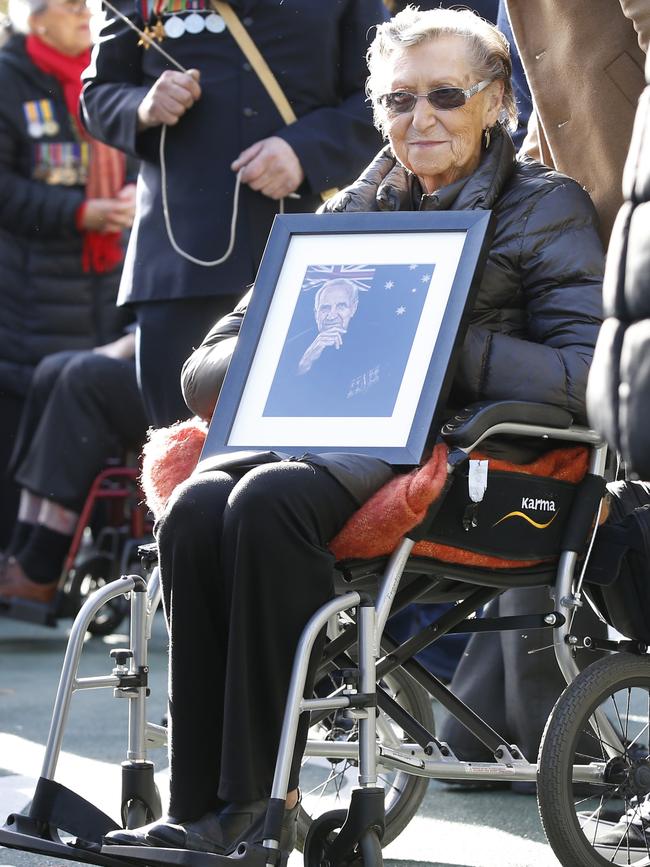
349	340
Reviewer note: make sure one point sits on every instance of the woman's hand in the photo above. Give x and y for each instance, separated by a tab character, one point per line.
169	98
122	348
124	212
110	215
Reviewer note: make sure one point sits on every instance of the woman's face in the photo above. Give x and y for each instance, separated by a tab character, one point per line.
439	146
65	25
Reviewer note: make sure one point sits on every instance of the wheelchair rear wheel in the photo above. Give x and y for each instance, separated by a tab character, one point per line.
327	783
606	820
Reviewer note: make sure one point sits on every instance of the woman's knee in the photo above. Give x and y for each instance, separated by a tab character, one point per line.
271	487
195	507
279	497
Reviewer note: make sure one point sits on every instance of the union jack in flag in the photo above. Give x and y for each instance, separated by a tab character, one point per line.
318	276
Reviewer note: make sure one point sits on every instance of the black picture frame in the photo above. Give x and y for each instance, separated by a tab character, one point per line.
267	402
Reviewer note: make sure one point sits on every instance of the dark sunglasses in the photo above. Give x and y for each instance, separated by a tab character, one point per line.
444	98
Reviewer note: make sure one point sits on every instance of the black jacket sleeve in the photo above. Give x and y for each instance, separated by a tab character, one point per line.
113	86
561	262
204	371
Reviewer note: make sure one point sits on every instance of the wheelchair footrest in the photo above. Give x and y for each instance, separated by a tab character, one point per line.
246	855
30	612
27	842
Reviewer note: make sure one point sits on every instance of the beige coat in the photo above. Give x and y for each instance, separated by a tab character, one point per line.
585	72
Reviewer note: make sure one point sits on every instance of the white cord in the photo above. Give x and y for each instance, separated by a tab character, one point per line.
150	41
168	222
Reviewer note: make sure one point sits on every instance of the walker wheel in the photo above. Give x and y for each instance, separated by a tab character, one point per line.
321	835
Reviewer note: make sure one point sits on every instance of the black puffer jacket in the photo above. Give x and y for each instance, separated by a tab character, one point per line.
47	302
537	313
619	385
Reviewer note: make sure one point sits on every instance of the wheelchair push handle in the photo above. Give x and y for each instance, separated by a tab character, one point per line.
471	424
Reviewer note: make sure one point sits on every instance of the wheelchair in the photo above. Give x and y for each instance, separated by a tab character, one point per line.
112	524
370	712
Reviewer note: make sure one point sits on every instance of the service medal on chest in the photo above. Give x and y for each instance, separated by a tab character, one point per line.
194	23
215	23
174	26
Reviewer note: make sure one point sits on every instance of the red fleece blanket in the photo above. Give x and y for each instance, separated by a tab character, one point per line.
171	454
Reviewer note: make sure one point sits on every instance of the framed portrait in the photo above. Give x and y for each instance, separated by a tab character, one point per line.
350	338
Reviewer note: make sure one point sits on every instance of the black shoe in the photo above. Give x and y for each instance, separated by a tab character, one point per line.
136	836
220	832
631	831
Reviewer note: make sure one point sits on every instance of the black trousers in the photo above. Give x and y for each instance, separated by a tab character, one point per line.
168	332
244	564
81	409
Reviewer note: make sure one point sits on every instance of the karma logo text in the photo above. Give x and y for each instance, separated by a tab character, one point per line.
537	505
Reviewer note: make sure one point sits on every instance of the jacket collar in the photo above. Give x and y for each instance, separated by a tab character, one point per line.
14	53
399	189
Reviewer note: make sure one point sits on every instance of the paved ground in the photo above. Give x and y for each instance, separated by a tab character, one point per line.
453	828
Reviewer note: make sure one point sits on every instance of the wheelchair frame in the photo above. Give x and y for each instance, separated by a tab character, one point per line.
117	486
55	807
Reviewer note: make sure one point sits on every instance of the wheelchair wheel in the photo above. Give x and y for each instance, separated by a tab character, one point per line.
327	784
321	835
137	814
577	815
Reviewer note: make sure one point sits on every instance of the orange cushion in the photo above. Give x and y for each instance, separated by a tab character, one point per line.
376	528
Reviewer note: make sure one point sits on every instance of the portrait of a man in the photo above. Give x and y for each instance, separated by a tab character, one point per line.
334	306
348	341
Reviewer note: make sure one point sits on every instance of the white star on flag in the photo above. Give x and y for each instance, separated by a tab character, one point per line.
389	284
400	311
425	278
412	267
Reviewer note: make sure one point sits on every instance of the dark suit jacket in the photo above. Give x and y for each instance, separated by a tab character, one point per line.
316	50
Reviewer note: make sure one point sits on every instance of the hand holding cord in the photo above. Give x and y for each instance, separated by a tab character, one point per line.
167	101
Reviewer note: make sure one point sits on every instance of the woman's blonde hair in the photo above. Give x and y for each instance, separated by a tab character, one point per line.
488	48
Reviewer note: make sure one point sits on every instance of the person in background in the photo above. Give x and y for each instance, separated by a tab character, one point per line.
519	82
64	204
82	408
221	124
618	400
583	60
236	542
485	8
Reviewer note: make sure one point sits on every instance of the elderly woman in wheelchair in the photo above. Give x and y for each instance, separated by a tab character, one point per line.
244	551
244	554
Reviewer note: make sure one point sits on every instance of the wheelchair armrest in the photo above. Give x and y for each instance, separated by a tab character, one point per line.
471	423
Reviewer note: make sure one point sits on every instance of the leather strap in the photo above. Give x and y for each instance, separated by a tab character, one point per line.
261	67
254	57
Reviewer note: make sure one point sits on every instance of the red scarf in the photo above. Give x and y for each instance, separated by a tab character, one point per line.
102	251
